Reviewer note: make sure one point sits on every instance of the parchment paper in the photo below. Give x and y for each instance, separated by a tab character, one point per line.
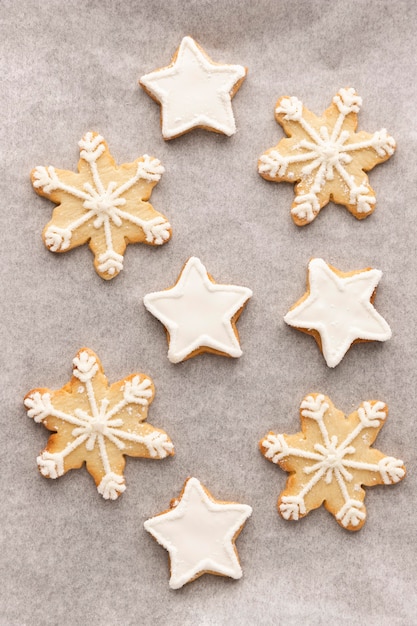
67	556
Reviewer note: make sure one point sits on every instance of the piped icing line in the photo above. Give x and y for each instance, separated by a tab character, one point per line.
329	146
102	204
199	533
338	307
194	92
198	313
101	426
345	459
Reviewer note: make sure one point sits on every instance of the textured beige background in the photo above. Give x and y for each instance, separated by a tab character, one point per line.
66	556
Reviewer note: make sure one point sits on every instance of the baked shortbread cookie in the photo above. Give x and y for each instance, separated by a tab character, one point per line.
97	424
199	314
199	533
325	156
103	204
337	309
331	459
194	92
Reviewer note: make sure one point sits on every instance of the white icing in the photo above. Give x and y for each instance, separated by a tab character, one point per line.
194	92
351	514
292	507
39	406
332	460
347	101
85	366
50	465
99	425
292	108
391	470
325	154
199	535
339	309
198	313
111	486
371	415
137	391
102	204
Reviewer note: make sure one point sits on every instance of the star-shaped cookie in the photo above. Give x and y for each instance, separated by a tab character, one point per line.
337	309
199	314
97	424
194	92
331	459
199	533
325	156
103	204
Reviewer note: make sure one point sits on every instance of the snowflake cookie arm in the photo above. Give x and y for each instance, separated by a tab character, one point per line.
130	399
293	453
64	451
374	467
70	222
325	156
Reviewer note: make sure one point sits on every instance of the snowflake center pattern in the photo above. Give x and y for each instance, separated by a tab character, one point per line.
104	204
332	459
98	424
325	151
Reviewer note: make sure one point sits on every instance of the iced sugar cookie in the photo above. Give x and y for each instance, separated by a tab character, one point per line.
199	314
194	92
199	533
325	156
337	309
331	459
103	204
97	424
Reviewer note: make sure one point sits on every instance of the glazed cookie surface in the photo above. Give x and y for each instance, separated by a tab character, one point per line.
199	314
194	92
97	424
325	156
103	204
331	459
337	309
199	533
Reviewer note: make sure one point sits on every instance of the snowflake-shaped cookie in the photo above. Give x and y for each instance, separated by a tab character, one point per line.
97	424
103	204
325	156
331	459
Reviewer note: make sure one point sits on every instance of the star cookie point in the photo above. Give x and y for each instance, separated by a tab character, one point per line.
199	532
337	309
199	314
194	92
97	423
103	204
325	157
331	460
